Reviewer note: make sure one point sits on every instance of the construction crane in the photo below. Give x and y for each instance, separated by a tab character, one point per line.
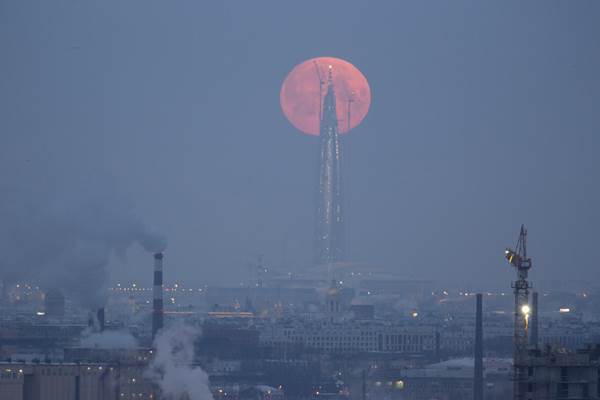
321	83
517	257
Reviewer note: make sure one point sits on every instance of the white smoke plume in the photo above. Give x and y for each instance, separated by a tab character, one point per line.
60	227
109	340
172	367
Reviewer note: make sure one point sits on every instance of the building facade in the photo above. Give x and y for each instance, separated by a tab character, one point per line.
351	336
71	381
559	374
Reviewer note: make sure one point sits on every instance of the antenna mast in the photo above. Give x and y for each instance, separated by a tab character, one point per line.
350	101
321	83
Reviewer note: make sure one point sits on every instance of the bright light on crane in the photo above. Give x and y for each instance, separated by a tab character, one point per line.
525	310
513	257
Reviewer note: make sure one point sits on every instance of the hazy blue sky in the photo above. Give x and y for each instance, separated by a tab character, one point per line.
484	116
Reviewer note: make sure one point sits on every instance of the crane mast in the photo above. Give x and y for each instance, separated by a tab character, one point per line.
518	258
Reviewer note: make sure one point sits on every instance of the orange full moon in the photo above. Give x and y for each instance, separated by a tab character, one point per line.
304	89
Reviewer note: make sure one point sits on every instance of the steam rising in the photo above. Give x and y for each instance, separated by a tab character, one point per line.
172	368
59	229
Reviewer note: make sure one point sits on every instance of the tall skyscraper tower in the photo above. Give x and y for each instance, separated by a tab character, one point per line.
349	88
329	229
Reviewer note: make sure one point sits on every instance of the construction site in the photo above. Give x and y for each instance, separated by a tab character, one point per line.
543	372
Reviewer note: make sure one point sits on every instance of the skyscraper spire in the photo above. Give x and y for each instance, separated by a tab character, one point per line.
329	230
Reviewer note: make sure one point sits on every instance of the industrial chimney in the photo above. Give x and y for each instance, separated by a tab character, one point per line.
478	370
100	318
96	320
157	292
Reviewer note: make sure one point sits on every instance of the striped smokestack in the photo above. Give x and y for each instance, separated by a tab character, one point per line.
157	292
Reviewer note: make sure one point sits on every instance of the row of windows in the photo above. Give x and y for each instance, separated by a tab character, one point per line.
355	346
393	339
404	339
10	375
70	372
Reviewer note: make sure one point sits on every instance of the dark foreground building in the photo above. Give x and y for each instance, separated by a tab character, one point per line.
74	381
559	374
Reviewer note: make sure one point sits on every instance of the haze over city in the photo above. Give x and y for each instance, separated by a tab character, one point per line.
275	200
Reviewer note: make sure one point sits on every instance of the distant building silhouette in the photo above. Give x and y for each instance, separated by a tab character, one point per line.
54	303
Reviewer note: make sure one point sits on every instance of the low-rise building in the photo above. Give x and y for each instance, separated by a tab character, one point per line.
71	381
351	336
447	380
